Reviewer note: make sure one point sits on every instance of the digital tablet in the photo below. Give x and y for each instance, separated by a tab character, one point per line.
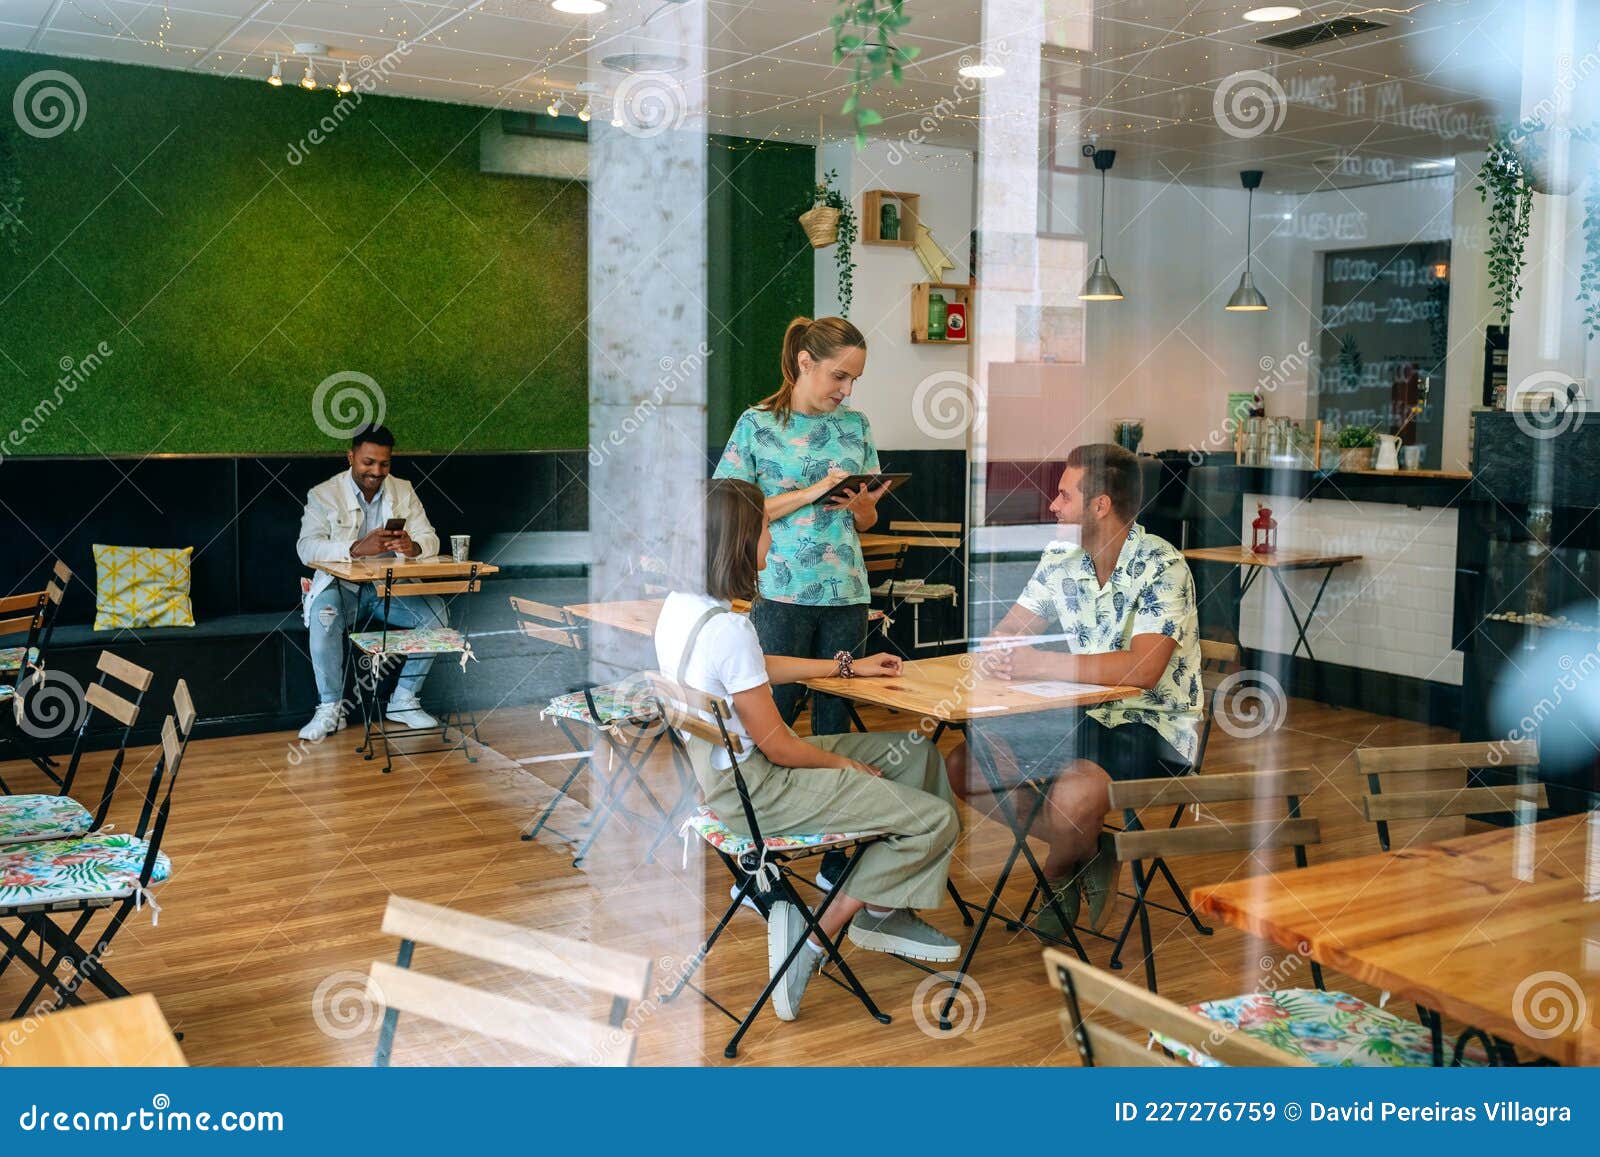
881	484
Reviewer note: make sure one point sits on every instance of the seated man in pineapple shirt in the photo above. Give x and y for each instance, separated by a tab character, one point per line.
1123	603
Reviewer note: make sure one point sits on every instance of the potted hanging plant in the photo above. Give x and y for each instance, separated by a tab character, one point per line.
828	219
1505	189
1355	447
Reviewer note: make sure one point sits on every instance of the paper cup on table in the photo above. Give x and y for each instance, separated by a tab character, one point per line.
460	547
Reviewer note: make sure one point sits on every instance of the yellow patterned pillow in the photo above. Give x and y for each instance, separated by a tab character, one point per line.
141	586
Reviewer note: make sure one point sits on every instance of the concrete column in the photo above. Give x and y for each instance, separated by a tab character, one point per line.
647	322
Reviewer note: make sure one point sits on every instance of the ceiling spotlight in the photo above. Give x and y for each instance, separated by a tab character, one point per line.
554	107
344	80
980	71
616	117
1101	286
309	80
579	7
276	79
584	114
1247	298
1272	12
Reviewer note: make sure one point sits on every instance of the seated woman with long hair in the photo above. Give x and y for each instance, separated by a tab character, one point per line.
894	782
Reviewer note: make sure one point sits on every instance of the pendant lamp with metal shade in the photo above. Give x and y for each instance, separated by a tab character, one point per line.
1101	286
1247	298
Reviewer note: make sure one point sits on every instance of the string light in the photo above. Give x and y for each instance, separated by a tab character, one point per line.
276	79
343	87
309	80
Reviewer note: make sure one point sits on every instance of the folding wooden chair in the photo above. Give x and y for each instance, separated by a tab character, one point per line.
102	871
1440	778
564	1035
1217	661
1091	996
913	592
118	694
19	664
383	651
759	860
1143	847
623	715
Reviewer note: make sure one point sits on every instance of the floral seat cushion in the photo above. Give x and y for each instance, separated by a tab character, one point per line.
706	824
417	641
7	691
1332	1029
41	817
102	866
11	658
614	701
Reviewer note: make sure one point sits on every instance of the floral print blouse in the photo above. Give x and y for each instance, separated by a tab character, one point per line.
1150	592
816	556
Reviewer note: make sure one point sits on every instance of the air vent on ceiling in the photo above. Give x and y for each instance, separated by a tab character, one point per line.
1320	33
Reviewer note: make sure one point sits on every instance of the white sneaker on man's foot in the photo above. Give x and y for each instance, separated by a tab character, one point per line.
405	709
328	719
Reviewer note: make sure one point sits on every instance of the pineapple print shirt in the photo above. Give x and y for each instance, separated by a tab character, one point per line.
1149	592
816	556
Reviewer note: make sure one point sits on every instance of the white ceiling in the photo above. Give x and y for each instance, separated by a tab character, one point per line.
1144	71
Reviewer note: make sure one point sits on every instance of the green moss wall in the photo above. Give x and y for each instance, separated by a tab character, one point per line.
229	282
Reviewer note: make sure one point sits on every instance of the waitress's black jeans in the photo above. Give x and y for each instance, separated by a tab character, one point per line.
804	632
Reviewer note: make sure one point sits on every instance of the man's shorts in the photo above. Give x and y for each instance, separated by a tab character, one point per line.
1041	744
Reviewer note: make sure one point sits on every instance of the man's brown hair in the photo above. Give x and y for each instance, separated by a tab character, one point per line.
1110	470
734	513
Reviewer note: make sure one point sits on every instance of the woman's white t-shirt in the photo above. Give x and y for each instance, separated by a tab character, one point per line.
727	657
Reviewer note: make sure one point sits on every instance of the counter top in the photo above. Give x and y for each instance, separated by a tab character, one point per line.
1440	488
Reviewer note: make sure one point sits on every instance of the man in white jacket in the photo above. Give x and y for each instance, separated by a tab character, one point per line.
345	518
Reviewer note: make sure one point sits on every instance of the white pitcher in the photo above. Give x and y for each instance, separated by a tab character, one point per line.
1388	452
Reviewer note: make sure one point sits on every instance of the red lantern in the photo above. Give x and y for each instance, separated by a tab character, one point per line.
1263	532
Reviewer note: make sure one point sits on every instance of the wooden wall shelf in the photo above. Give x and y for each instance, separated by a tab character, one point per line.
871	217
952	293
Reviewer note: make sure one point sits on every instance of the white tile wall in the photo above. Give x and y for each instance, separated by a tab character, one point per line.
1389	612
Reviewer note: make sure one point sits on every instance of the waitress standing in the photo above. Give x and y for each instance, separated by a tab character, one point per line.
796	445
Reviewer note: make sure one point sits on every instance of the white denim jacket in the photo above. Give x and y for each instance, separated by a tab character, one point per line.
332	523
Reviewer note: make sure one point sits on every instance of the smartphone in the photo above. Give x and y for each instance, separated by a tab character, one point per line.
395	524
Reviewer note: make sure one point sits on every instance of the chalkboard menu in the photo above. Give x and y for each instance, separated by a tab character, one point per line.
1385	313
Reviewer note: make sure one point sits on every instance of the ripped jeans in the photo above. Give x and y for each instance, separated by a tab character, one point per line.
338	610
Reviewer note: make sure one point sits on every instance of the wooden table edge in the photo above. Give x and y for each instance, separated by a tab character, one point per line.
847	688
1206	903
1245	558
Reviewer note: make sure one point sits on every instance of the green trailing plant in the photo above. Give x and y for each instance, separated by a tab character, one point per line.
11	228
863	33
826	193
1589	275
1356	438
1504	188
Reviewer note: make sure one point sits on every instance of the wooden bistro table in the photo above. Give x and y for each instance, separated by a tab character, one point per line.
129	1032
948	690
1279	560
1499	930
386	571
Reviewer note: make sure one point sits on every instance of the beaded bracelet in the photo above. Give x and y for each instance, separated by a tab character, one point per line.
845	660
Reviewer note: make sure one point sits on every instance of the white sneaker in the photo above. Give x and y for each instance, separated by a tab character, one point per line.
405	709
328	719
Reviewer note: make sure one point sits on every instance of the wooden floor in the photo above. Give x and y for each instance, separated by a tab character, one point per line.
284	855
